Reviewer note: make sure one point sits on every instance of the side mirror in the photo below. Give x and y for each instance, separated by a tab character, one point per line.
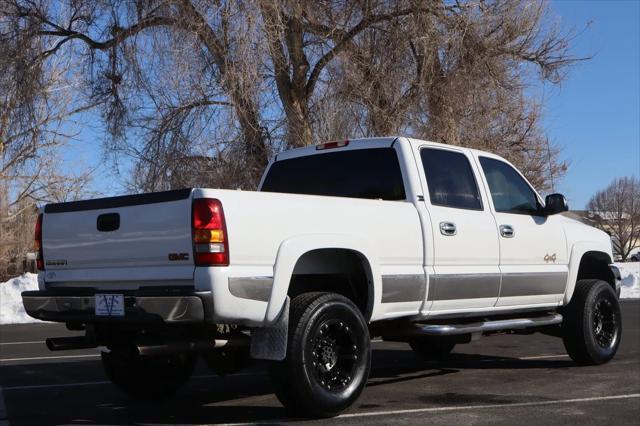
554	204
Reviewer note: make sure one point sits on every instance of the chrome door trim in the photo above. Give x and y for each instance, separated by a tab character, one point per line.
474	286
533	283
463	286
403	288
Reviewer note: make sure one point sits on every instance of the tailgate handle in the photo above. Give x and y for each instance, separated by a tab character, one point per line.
108	222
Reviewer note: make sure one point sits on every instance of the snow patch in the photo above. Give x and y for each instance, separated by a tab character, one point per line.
11	309
630	286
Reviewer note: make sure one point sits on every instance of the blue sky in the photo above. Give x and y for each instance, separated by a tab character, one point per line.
594	115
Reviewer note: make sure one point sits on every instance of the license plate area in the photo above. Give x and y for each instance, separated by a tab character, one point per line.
109	305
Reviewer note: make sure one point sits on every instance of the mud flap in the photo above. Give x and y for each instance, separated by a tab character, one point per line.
271	342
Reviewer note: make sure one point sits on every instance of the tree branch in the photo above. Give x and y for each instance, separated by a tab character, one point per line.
120	36
343	39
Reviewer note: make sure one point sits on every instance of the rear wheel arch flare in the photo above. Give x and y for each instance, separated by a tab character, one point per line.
339	270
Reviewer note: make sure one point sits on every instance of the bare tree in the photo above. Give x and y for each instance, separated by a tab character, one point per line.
35	110
616	210
37	114
183	80
451	72
122	48
202	92
457	75
305	37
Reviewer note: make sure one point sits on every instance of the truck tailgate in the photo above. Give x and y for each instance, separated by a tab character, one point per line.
136	237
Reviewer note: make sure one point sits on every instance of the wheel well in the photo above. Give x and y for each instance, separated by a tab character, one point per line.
343	271
595	265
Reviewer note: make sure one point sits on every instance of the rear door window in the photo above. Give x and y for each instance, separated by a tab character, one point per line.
372	173
450	179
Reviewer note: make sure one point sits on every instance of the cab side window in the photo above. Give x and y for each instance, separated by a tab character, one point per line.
509	191
450	179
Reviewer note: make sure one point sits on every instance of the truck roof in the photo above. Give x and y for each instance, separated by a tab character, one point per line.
363	143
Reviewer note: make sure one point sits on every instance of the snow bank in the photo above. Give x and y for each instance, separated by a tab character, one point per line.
11	310
630	272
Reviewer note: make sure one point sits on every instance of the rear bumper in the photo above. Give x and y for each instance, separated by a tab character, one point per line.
157	306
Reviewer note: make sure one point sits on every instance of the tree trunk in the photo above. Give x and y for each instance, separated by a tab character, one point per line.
286	33
255	138
442	116
299	132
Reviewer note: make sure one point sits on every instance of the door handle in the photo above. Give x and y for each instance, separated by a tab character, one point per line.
448	229
507	231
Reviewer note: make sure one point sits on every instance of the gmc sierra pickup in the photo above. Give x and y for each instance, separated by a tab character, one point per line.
398	238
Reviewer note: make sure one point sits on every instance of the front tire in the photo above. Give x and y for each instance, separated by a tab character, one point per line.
328	356
592	325
147	377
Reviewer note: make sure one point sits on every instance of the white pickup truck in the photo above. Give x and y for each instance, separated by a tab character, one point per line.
398	238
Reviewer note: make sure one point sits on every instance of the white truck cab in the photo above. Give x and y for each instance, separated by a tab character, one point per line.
413	241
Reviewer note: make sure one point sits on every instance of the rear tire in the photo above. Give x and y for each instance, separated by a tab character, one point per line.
432	348
147	377
592	326
328	356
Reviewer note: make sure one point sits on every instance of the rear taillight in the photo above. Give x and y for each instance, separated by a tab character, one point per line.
210	239
38	244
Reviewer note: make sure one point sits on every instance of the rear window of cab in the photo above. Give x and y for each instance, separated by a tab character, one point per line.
372	173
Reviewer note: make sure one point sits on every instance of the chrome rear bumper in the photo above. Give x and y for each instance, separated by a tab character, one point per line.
141	306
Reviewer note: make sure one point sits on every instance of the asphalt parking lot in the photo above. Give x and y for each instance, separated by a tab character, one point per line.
504	379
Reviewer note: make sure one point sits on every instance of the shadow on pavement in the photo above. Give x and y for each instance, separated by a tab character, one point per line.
475	361
242	398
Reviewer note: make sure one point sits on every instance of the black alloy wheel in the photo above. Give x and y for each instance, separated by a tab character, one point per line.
335	354
604	323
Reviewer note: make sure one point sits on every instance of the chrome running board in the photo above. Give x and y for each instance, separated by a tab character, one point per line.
486	326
